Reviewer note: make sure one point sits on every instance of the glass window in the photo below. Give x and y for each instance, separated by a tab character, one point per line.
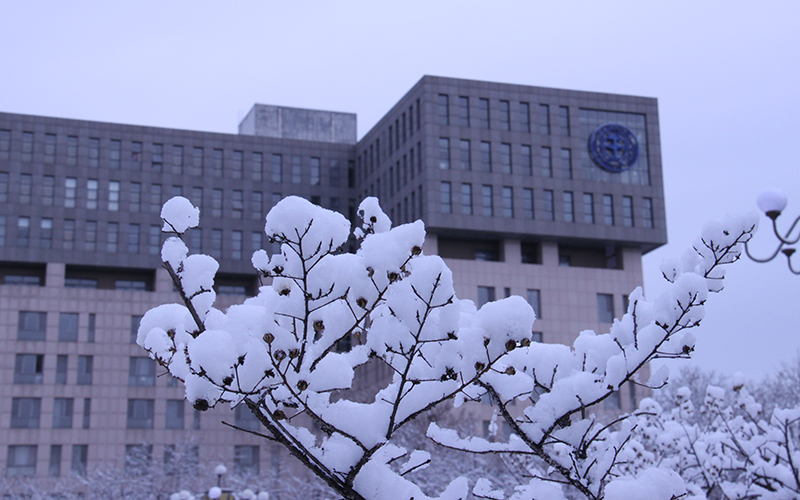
155	198
257	166
25	188
444	153
216	243
525	116
85	370
505	158
486	200
174	414
446	198
195	240
483	113
463	111
177	160
588	208
608	210
466	199
70	188
48	190
80	457
544	119
46	233
443	109
27	146
237	164
23	231
255	241
508	202
62	361
257	205
3	187
245	419
91	193
485	294
197	162
237	204
569	207
112	237
527	203
5	141
142	371
72	149
563	112
54	466
21	460
627	211
62	413
566	163
133	238
32	325
91	235
315	171
90	327
68	327
246	459
236	245
547	162
94	152
2	230
140	413
647	212
135	320
297	170
335	174
464	153
114	153
486	156
534	299
277	168
135	197
113	196
505	115
216	203
28	368
136	153
154	239
605	308
217	163
69	234
157	157
25	413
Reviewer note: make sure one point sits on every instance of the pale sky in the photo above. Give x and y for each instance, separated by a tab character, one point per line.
726	75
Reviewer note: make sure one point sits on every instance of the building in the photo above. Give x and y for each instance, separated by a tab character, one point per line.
549	194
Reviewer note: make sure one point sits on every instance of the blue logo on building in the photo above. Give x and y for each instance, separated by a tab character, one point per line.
613	147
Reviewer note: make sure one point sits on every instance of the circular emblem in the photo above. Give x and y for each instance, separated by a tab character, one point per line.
613	147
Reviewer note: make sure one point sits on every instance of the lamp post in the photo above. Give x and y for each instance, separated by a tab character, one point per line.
772	202
220	470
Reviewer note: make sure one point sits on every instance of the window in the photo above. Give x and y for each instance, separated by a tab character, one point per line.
3	187
569	207
195	239
463	111
80	457
136	154
466	199
534	299
157	157
87	413
315	171
68	327
25	413
25	188
140	413
217	162
114	153
237	164
197	162
177	160
485	294
21	460
5	141
563	113
464	155
605	308
277	168
216	243
608	210
62	361
54	466
27	146
486	156
443	110
28	368
647	212
46	233
72	149
142	372
138	458
505	115
154	239
508	202
544	119
444	153
2	230
297	170
505	158
446	199
32	325
257	166
113	196
236	245
62	413
547	162
588	208
70	188
246	459
257	205
237	204
112	237
91	235
91	193
483	113
23	231
48	190
486	200
133	238
85	369
245	419
527	203
174	414
627	211
566	163
155	198
196	419
525	116
135	320
94	152
335	173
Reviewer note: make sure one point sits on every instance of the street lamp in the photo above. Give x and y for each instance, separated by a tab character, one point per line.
220	470
772	202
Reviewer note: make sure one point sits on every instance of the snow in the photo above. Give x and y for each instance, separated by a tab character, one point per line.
179	215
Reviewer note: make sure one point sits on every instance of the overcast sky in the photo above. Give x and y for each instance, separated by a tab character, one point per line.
726	75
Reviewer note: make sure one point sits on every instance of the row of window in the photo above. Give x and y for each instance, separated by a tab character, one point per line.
520	162
498	115
180	160
21	459
605	304
547	204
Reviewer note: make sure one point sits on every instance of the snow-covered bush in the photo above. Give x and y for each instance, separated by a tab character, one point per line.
277	353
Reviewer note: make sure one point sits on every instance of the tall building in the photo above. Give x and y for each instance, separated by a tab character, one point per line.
550	194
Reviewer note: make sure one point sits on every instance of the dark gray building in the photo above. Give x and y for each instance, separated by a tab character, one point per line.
549	194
